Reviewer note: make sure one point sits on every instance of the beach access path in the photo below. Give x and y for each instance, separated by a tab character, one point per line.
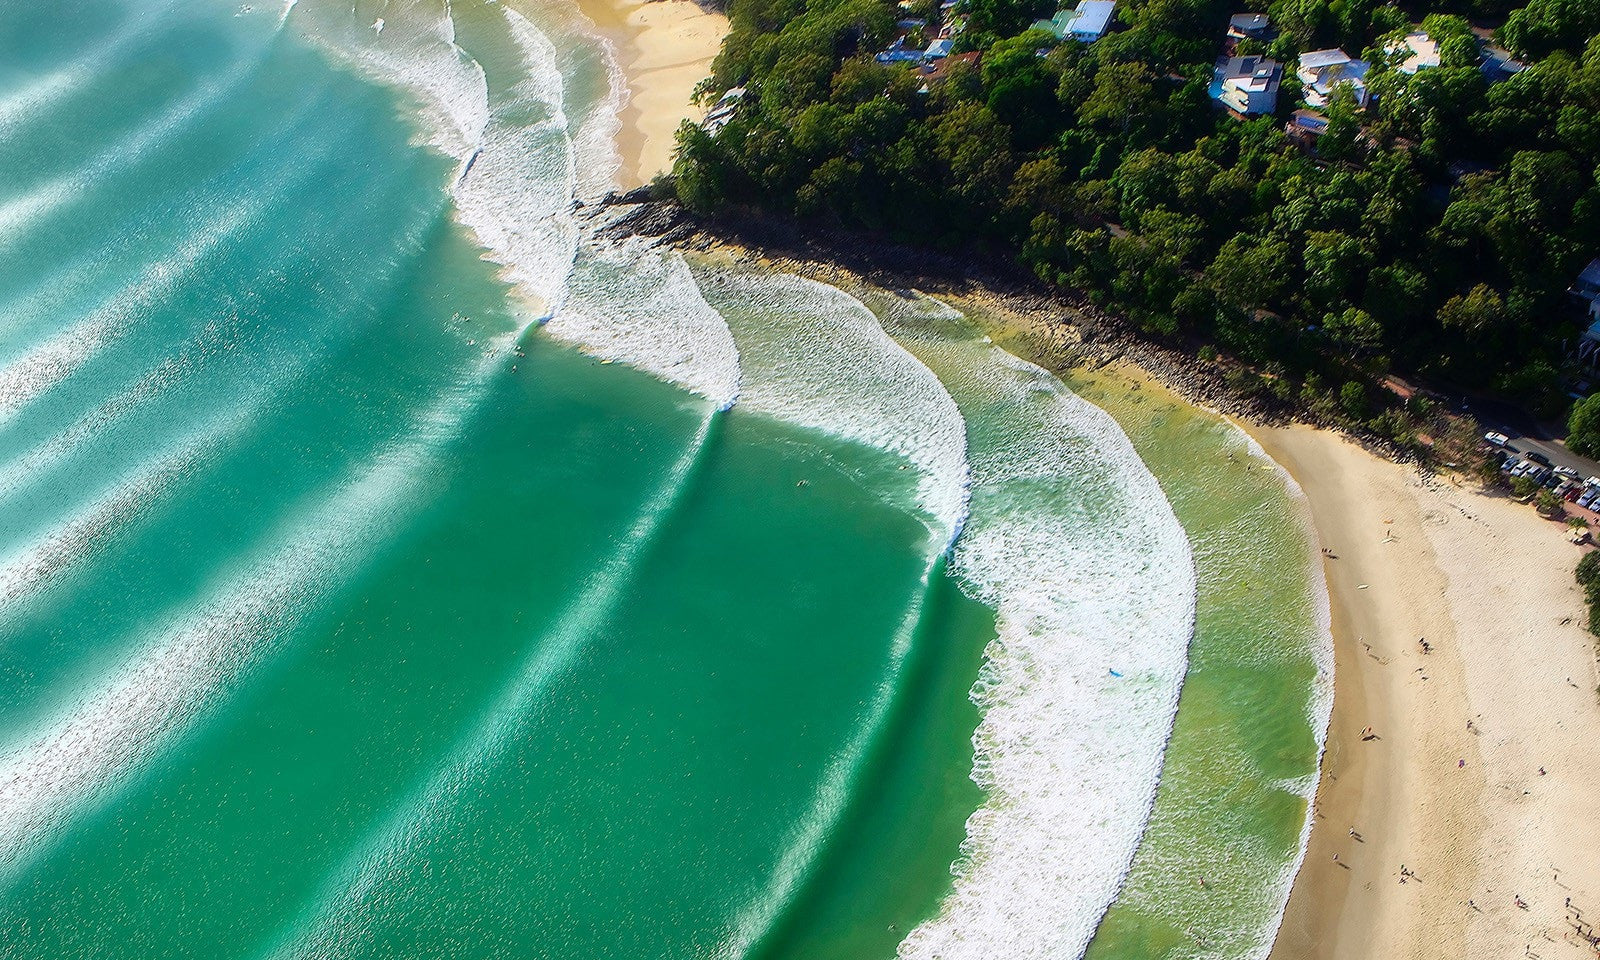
1492	848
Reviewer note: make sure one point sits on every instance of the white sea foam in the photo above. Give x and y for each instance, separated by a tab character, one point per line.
641	306
330	925
416	52
583	54
514	186
115	724
1074	545
517	197
815	356
523	161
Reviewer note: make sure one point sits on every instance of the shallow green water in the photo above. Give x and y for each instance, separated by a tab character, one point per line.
355	600
1247	739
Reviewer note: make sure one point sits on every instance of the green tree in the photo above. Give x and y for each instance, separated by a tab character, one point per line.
1583	426
1354	329
1545	26
1353	400
1477	316
1022	88
1251	272
1334	262
1123	100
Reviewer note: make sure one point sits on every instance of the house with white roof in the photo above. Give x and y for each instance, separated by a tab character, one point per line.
1087	23
723	112
1420	52
1250	85
1321	72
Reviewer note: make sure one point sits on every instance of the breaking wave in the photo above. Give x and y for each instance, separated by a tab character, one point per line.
1074	545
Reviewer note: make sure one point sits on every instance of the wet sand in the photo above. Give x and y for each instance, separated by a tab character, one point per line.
664	49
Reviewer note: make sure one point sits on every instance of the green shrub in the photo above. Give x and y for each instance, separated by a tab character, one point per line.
1588	575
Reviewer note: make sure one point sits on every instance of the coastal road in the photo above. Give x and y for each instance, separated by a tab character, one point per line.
1528	435
1556	451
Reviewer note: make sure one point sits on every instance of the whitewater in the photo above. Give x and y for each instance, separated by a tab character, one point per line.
370	517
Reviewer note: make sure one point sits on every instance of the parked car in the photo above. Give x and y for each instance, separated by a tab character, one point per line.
1497	439
1588	497
1538	458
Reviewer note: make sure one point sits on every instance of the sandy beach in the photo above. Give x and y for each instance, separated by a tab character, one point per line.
664	49
1407	783
1468	766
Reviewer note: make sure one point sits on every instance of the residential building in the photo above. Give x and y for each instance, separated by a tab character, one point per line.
936	70
723	111
1420	52
1587	288
1250	85
1254	26
1322	72
1087	23
1499	65
1308	122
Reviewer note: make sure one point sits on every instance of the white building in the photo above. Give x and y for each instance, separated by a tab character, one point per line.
1421	52
1091	19
1250	85
1322	72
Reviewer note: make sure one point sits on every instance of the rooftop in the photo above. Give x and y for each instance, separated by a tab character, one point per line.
1323	59
1093	16
1422	52
1588	285
1254	74
1249	22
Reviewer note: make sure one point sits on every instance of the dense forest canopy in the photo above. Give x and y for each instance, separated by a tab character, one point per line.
1435	231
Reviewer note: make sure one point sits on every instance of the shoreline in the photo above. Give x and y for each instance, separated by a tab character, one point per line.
1465	810
1410	555
663	49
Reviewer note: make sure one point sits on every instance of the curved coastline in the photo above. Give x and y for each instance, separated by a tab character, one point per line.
664	48
1445	784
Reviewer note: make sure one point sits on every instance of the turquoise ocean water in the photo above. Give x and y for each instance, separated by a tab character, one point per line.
390	568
